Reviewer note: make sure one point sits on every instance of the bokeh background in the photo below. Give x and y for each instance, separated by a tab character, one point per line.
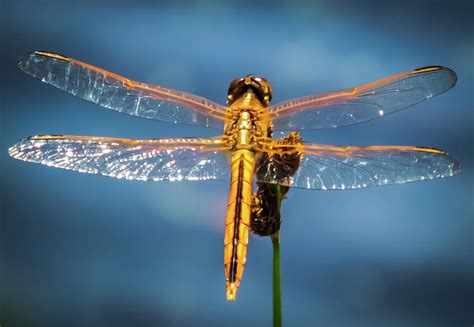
83	250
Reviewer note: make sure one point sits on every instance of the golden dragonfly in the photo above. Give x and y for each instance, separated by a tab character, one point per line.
248	121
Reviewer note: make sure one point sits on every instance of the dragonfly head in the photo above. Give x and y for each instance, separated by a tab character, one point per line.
259	85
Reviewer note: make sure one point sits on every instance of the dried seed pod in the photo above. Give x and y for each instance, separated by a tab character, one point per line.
266	218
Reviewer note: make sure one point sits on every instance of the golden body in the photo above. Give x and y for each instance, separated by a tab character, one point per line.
241	133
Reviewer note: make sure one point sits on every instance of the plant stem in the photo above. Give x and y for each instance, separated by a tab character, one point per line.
277	322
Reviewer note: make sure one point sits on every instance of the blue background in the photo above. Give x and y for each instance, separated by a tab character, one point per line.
89	250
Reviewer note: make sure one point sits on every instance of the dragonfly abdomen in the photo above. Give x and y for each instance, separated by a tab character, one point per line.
238	220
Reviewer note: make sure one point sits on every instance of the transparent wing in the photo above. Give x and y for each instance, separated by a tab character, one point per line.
327	167
162	159
124	95
363	103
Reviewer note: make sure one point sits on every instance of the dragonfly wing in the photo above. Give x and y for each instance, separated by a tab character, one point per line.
156	160
363	103
124	95
327	167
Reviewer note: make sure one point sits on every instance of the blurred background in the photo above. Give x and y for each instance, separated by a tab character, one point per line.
85	250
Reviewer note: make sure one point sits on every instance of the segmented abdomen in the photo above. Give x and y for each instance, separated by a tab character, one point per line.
238	219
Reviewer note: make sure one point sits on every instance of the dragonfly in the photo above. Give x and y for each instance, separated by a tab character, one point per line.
247	149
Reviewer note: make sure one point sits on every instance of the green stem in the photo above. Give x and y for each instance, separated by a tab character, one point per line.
277	321
276	280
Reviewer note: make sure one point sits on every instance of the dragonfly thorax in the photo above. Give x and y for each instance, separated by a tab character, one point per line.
246	126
